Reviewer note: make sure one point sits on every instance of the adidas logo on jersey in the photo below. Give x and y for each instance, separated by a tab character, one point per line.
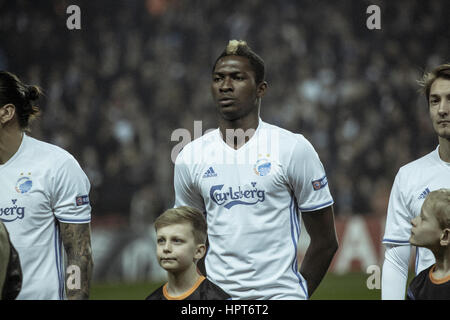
424	193
210	173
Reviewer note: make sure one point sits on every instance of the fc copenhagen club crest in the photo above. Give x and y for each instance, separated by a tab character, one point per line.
262	167
24	184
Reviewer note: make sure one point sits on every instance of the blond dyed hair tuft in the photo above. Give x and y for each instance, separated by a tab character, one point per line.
233	46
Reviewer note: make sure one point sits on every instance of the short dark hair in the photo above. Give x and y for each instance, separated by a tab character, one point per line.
185	214
240	48
14	91
442	71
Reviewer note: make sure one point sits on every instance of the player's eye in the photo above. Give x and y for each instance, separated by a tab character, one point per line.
434	101
160	241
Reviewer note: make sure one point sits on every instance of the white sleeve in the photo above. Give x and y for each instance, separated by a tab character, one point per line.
186	193
398	220
395	272
70	193
307	177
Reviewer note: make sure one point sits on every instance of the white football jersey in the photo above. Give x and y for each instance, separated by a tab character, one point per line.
39	184
411	186
252	198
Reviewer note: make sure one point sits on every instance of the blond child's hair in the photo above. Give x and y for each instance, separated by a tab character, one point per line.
439	203
185	214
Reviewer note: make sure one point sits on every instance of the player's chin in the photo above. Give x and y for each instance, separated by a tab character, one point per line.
230	113
443	132
170	267
228	108
415	242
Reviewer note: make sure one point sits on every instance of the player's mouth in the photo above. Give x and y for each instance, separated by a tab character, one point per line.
444	122
226	101
168	259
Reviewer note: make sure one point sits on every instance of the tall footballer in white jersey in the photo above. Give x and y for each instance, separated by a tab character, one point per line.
44	201
411	185
252	188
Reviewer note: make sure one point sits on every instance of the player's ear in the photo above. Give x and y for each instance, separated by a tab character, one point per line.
200	251
7	112
261	89
445	237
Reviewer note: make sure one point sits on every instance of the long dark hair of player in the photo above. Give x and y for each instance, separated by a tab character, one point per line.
13	91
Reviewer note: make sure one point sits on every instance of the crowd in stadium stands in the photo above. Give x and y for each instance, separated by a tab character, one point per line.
138	70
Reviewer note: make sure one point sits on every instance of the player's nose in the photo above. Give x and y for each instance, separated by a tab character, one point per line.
167	247
226	85
444	107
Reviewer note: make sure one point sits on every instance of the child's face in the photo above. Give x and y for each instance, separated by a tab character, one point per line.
425	231
176	248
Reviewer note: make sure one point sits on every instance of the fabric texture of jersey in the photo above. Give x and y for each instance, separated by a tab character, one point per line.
411	186
395	272
203	289
42	184
425	287
252	198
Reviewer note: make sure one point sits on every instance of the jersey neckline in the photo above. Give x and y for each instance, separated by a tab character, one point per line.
186	294
437	281
246	144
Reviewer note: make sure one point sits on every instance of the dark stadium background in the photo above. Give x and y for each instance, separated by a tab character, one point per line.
139	69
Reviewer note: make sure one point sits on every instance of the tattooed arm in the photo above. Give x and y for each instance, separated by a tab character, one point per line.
77	242
4	255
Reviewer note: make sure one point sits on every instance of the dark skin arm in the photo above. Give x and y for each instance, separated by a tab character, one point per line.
324	244
77	243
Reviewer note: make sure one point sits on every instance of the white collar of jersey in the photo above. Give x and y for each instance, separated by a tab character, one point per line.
260	124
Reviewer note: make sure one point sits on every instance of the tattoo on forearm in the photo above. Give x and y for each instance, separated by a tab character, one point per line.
77	243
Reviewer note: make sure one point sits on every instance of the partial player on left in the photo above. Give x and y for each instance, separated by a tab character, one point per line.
44	200
10	270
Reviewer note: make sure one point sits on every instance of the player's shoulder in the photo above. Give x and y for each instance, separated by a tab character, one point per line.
199	144
422	287
418	164
284	133
416	283
286	137
423	275
213	291
157	294
52	154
